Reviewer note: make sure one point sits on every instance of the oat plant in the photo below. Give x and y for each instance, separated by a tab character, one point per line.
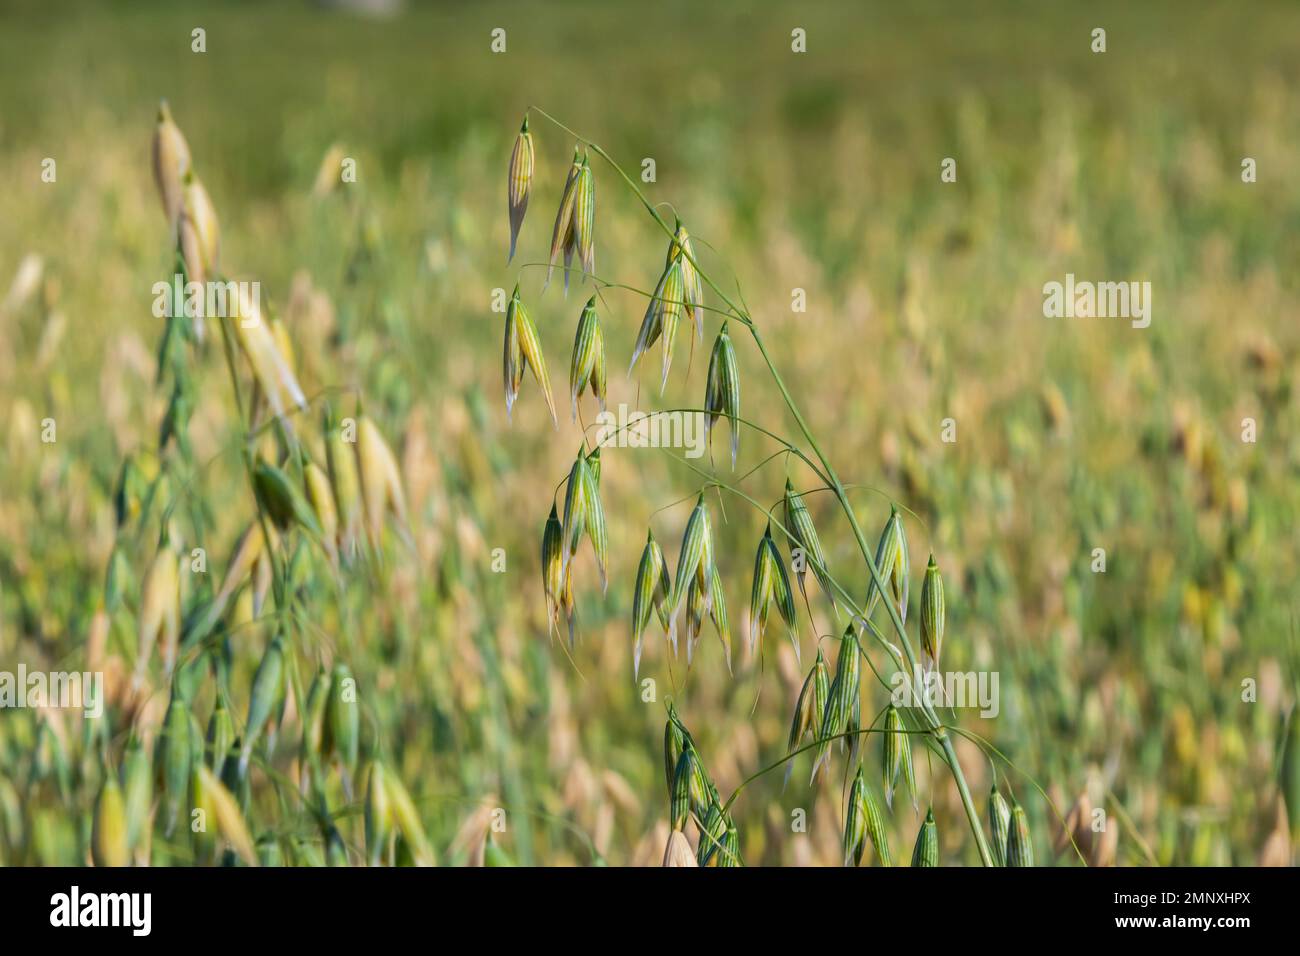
678	599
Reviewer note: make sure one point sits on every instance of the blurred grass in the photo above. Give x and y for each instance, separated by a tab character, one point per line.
817	171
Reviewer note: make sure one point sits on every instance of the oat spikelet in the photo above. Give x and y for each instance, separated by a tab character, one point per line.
587	369
999	821
771	582
523	346
159	618
805	546
171	161
926	851
678	850
650	593
229	819
722	391
808	710
381	482
932	614
519	182
843	700
562	233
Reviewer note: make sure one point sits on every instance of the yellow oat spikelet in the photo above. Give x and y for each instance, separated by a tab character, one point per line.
381	481
171	161
159	620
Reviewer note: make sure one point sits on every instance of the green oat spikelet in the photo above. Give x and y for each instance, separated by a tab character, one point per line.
808	710
722	391
519	182
282	499
842	699
891	562
799	526
876	826
583	513
378	814
711	834
562	233
172	757
898	757
1020	845
682	795
662	315
523	346
650	594
932	614
926	851
553	569
718	614
676	739
729	853
342	726
695	558
855	822
137	786
587	369
771	582
584	219
681	250
267	686
999	821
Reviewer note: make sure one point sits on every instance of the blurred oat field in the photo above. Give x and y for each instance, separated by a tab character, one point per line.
1158	691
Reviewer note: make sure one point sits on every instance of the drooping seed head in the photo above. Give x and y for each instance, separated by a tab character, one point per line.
891	562
381	481
693	558
379	814
137	791
926	851
562	234
171	161
521	335
519	181
897	757
159	617
718	614
225	809
999	821
220	735
932	613
172	755
681	248
109	841
407	818
346	485
771	582
799	526
553	568
662	314
855	822
343	717
587	368
584	217
711	834
282	500
1020	845
722	391
265	694
650	593
842	700
678	851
